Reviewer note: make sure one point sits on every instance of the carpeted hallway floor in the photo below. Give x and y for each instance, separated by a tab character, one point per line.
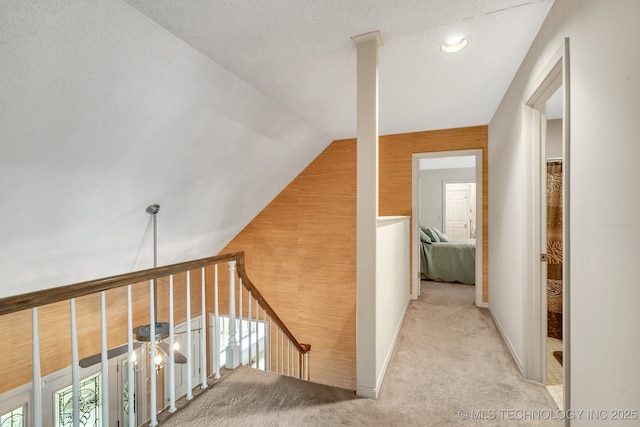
450	367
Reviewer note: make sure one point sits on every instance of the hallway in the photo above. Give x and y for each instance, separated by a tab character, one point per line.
450	367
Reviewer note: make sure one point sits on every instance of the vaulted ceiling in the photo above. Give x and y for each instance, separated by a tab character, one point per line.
300	54
209	108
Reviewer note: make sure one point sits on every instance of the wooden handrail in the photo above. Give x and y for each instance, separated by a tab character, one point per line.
29	300
255	293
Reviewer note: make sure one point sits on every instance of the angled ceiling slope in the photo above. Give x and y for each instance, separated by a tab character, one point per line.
300	54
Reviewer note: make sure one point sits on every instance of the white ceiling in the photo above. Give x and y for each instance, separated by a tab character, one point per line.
299	53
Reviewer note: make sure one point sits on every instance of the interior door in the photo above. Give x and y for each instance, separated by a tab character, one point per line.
181	369
457	211
119	390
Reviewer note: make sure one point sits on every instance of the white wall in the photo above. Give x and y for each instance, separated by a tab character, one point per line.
431	196
392	288
604	126
104	113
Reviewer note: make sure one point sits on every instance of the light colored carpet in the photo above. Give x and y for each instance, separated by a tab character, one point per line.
449	358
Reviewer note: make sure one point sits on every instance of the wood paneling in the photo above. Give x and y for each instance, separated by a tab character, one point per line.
301	249
300	253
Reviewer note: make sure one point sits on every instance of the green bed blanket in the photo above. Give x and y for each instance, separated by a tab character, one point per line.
453	261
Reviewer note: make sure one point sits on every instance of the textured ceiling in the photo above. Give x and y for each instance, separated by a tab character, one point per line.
299	53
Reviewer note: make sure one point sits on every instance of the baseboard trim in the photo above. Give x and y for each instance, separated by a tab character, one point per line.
367	392
516	359
392	347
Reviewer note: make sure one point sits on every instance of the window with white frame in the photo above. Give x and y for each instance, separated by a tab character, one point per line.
15	418
90	403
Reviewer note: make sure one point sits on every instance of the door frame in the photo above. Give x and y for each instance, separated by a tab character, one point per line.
415	220
553	76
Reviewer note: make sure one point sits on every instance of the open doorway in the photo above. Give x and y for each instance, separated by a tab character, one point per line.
547	291
429	204
554	246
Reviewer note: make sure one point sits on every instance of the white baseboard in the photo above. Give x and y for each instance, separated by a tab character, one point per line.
507	342
389	354
367	392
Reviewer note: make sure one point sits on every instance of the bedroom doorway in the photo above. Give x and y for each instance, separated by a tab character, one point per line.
463	159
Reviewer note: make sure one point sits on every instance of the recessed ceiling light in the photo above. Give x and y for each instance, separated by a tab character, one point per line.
454	44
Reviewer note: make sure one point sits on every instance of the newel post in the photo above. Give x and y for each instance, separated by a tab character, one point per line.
233	350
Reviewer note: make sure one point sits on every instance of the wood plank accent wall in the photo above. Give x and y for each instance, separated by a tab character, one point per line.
396	153
301	249
300	253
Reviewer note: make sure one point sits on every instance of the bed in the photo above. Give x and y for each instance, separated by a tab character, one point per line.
448	261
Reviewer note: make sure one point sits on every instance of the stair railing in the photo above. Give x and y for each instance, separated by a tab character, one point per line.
255	337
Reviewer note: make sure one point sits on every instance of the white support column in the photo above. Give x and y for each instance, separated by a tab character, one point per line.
233	351
130	361
36	376
217	324
203	336
153	413
367	210
189	360
172	355
104	359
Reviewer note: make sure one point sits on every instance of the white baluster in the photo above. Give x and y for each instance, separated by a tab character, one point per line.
240	293
233	351
249	323
267	347
288	356
36	376
104	359
282	350
217	325
75	368
152	355
257	337
277	352
203	336
306	366
172	356
130	374
189	362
